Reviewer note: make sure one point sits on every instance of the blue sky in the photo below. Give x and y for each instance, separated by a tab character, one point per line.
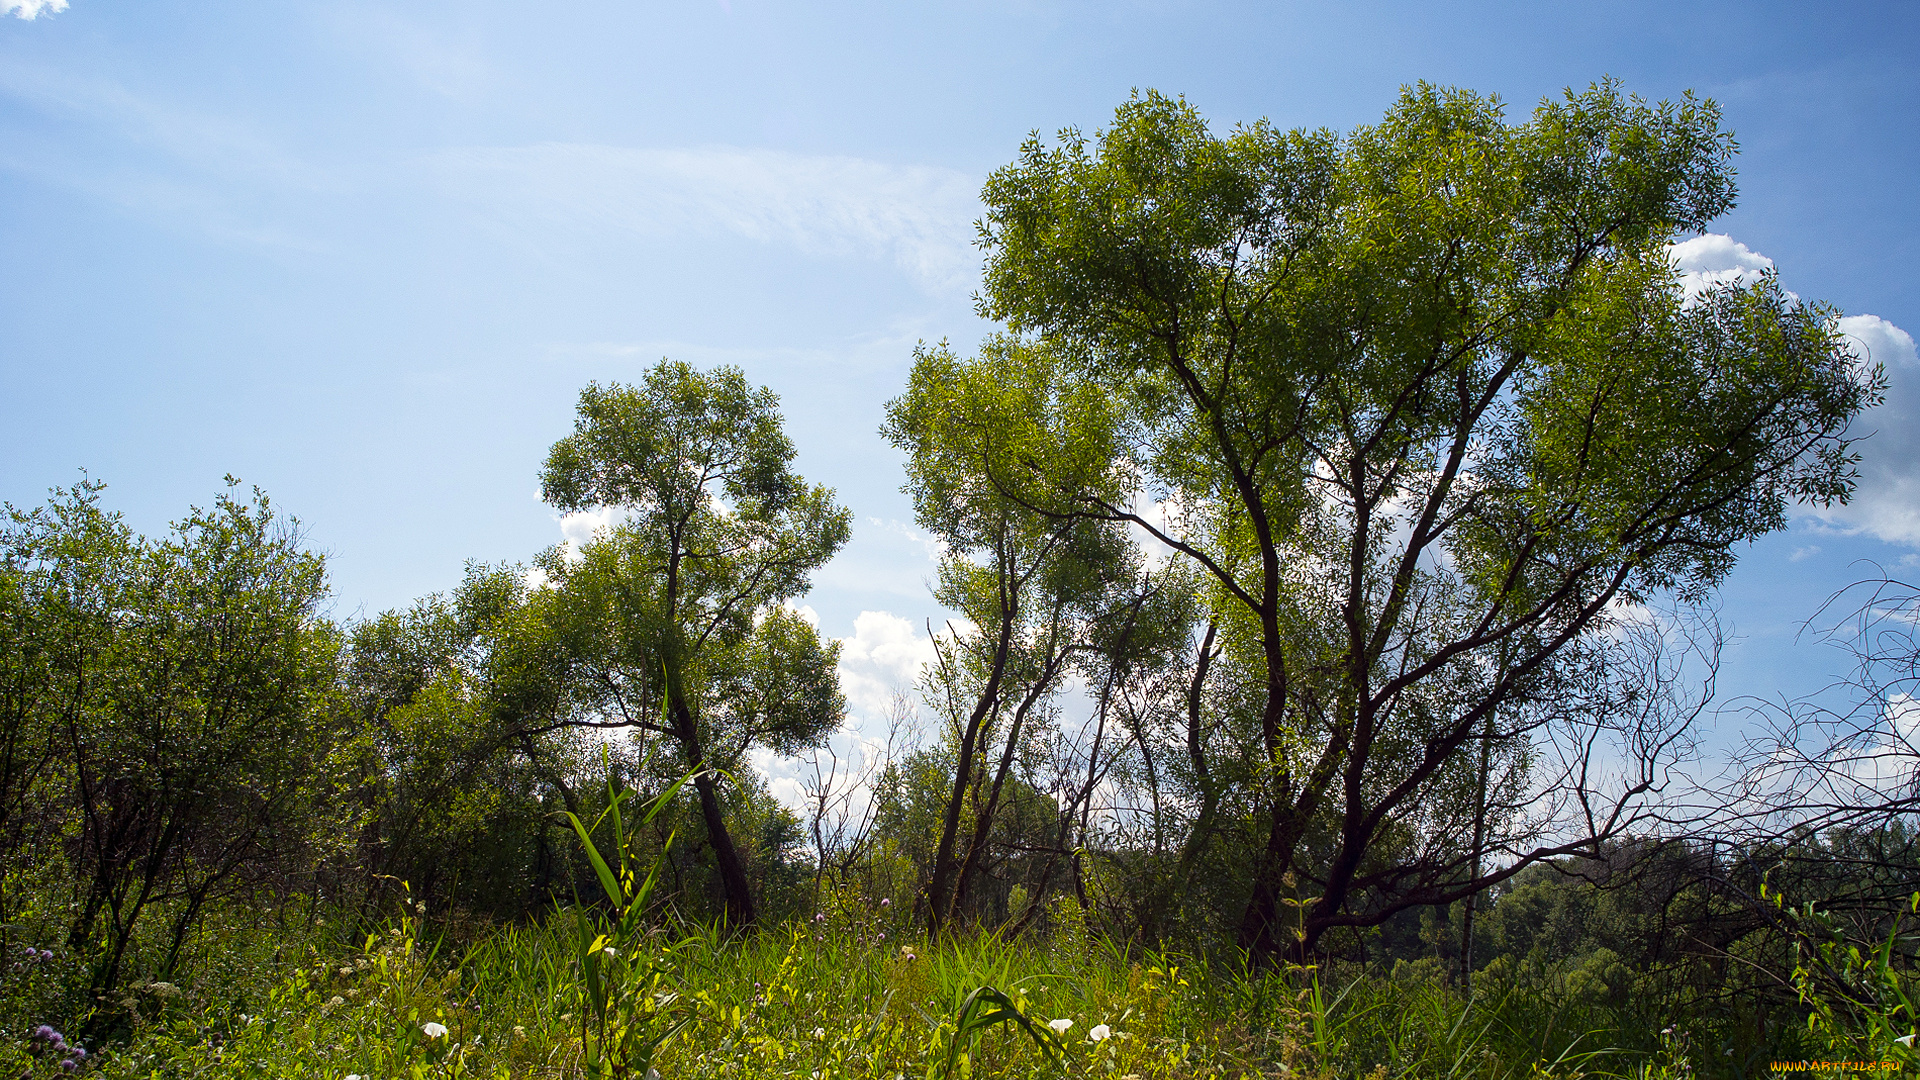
365	254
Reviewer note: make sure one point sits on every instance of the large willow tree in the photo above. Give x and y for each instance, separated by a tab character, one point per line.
1430	410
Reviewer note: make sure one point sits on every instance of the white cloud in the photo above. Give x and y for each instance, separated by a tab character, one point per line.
932	546
32	9
885	654
1716	259
917	216
581	527
1807	552
1887	502
1878	341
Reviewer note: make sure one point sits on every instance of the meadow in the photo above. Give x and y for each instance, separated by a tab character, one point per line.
624	987
855	994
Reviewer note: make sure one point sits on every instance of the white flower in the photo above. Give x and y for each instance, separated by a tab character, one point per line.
610	951
1905	1040
353	1076
433	1030
819	1033
1099	1032
1059	1026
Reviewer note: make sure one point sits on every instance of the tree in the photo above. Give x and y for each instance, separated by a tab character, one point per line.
1429	408
460	801
683	600
187	693
1030	586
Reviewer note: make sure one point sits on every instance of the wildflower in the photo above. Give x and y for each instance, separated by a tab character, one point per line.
1060	1026
519	1032
886	901
609	950
434	1030
820	916
1099	1032
819	1033
1905	1040
336	1001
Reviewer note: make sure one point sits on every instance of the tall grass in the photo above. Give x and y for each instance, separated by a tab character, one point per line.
853	993
621	990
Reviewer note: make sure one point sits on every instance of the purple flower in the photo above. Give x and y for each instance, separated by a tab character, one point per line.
886	901
45	1032
46	954
70	1065
80	1053
820	917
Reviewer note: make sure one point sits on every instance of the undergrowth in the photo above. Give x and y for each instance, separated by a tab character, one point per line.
850	993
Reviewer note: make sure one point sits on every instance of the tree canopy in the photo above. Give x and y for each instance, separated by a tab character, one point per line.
1428	405
681	600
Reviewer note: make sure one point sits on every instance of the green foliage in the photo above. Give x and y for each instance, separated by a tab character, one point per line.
171	725
681	602
625	1008
1422	408
1428	403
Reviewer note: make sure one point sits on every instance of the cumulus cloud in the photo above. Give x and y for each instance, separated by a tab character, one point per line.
31	9
1887	502
885	654
919	217
1716	259
579	528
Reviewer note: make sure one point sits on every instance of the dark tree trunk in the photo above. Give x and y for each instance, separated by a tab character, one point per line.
740	911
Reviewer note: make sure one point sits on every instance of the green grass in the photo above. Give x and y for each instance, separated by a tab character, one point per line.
854	993
850	994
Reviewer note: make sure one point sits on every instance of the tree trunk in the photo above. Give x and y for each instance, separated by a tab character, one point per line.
740	912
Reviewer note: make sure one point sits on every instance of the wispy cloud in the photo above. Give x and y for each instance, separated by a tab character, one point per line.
31	9
918	217
170	163
933	546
